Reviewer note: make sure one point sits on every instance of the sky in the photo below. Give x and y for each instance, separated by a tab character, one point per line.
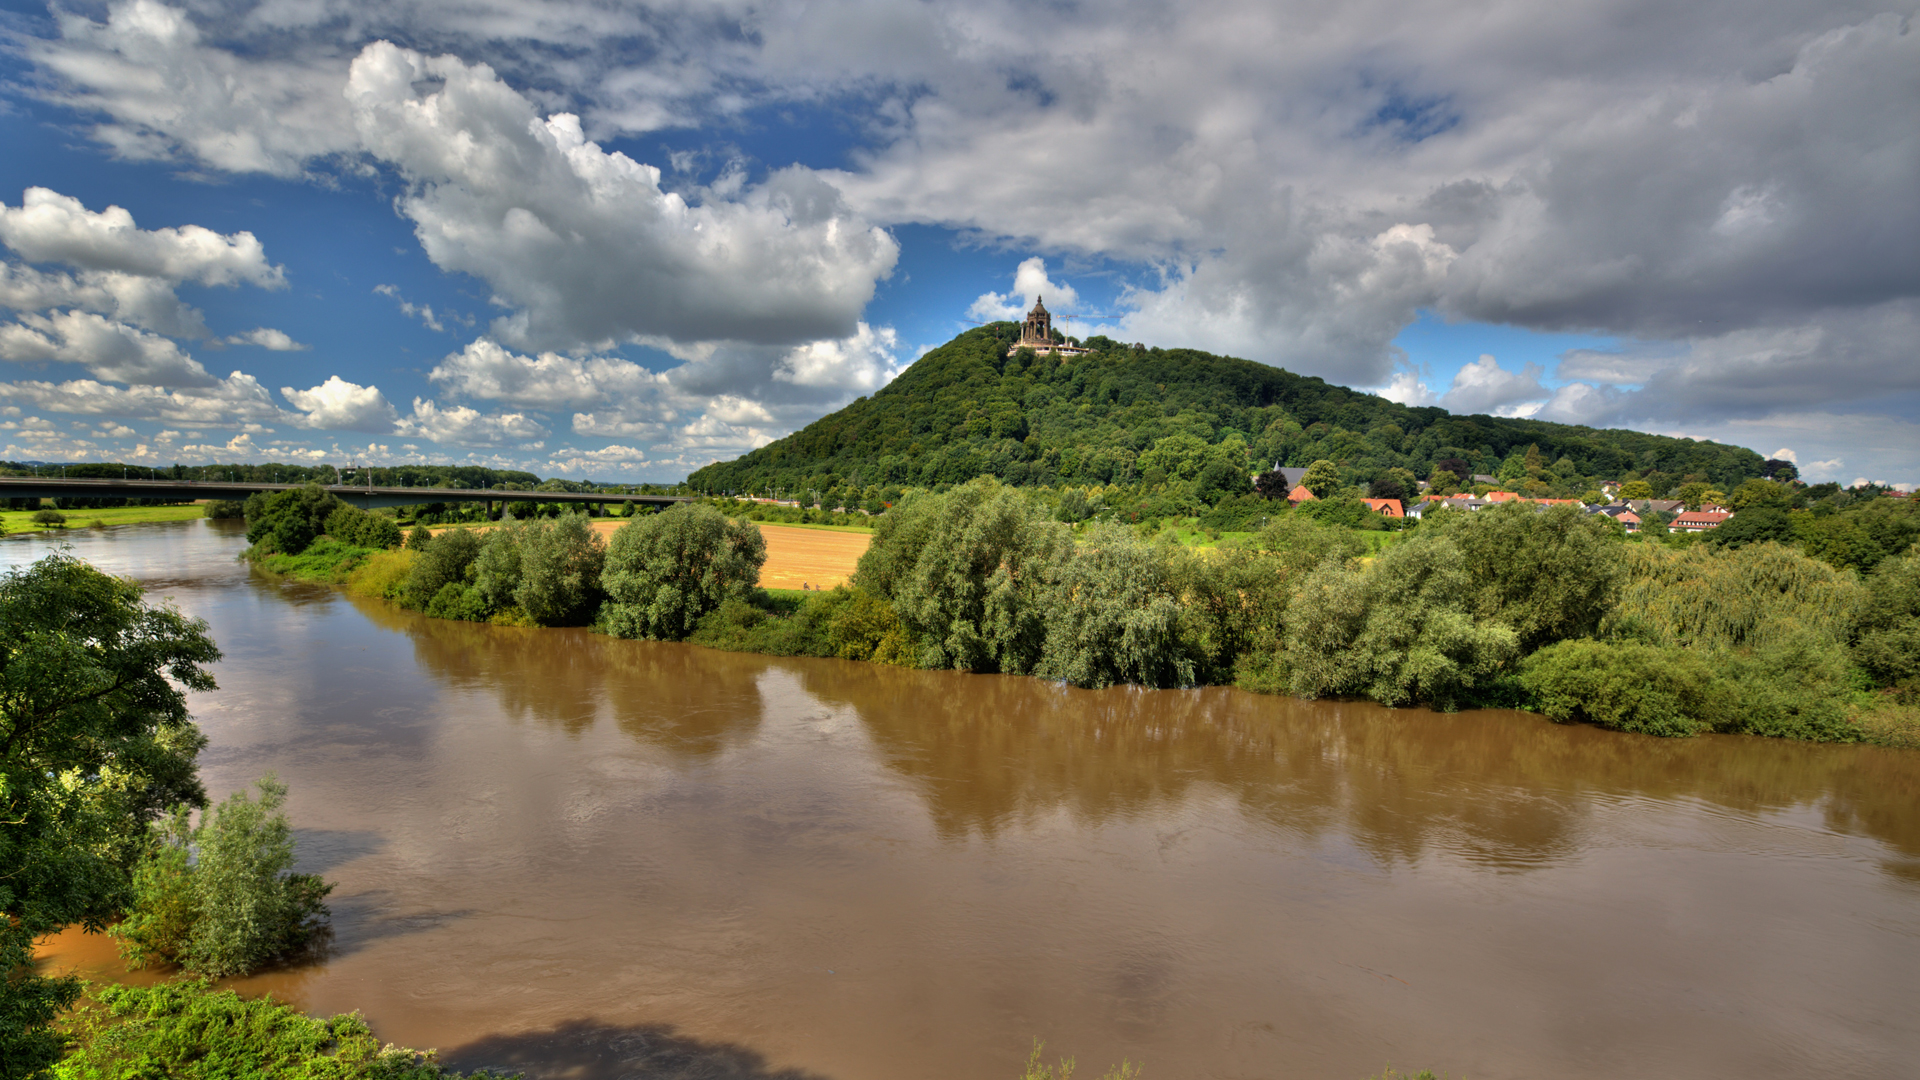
615	241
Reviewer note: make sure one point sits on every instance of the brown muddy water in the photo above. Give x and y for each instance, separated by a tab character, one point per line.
595	858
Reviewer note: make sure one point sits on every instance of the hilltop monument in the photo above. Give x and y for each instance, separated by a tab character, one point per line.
1036	333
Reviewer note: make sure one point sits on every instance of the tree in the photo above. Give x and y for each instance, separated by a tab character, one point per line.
447	559
1755	493
966	571
1398	631
1757	525
1888	633
560	568
288	521
1112	611
1393	484
1271	485
665	571
1692	493
95	741
1322	478
1636	489
419	538
1549	574
1776	469
1443	482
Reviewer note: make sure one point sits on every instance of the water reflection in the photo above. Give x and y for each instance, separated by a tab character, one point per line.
692	702
1507	791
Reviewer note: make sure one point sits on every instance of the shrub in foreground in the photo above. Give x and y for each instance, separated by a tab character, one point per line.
237	905
190	1031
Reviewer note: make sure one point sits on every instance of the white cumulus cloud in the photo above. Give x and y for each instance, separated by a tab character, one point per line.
584	245
459	425
339	405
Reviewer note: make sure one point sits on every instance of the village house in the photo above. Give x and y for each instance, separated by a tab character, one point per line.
1698	520
1385	507
1621	513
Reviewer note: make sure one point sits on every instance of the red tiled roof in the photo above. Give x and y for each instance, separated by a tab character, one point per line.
1699	520
1385	507
1299	494
1501	496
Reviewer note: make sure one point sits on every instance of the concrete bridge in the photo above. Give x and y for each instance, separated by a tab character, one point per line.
365	497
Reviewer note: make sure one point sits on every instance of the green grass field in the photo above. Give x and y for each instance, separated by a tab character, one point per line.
17	521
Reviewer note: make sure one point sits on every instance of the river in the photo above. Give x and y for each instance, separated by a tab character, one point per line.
598	859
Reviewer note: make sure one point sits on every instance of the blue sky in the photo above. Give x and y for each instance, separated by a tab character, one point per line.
365	229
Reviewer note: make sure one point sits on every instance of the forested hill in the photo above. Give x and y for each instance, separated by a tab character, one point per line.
972	407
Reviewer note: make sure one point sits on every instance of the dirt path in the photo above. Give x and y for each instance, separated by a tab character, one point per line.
814	557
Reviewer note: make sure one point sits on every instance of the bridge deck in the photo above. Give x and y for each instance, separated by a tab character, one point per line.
49	487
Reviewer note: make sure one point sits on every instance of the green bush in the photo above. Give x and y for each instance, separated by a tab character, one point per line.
461	601
664	572
287	521
225	509
49	517
1550	574
1887	643
861	626
966	571
419	538
1731	598
1112	615
236	903
1398	631
561	562
191	1031
448	557
1627	686
352	525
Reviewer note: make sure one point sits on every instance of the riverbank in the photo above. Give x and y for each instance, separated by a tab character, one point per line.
19	521
851	624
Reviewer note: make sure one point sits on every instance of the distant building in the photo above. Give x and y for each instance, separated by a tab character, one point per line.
1621	513
1482	478
1698	521
1299	495
1036	333
1385	507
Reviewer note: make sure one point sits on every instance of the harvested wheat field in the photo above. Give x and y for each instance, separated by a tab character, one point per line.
814	557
